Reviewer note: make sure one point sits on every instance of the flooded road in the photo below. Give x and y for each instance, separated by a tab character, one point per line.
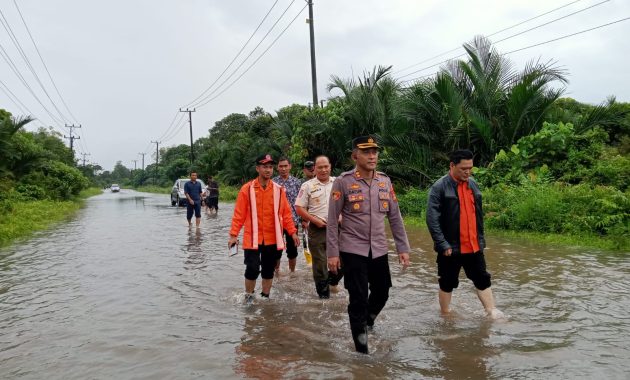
126	291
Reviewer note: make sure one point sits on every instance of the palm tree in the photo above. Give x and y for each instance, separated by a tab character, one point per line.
9	153
480	102
502	105
369	101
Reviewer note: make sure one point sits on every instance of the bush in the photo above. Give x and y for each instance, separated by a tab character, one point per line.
31	192
59	180
413	202
612	169
559	208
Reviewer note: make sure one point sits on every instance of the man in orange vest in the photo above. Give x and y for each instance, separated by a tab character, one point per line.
262	207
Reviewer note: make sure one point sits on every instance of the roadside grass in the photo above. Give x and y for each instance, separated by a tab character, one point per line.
28	217
608	243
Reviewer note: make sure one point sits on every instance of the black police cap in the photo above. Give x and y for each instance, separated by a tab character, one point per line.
364	142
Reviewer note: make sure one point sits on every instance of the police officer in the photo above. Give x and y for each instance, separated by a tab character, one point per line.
364	197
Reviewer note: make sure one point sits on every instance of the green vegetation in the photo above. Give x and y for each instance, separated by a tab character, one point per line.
228	193
547	165
29	216
40	182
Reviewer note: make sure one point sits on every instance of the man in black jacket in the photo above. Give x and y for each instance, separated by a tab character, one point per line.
455	221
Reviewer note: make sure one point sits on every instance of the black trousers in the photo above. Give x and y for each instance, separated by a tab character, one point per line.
292	251
367	281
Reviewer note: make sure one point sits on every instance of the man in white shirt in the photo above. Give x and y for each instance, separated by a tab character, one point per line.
311	205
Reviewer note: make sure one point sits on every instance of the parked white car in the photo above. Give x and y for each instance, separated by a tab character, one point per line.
115	188
177	193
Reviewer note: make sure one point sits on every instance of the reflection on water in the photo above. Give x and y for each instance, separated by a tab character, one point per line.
126	290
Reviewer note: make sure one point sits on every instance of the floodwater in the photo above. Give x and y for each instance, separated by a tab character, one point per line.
125	291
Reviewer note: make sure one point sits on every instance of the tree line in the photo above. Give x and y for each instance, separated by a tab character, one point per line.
548	163
36	165
481	102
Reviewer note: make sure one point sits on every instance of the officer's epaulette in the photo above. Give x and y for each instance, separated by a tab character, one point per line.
349	172
382	174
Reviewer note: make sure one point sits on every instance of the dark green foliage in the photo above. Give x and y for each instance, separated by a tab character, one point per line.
559	208
59	180
35	165
413	202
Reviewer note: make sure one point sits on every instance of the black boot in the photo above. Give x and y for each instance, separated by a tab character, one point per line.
370	321
360	338
323	290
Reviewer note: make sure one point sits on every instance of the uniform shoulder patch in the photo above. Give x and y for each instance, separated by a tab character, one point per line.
336	195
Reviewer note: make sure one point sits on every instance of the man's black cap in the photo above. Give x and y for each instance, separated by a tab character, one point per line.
309	165
364	142
265	159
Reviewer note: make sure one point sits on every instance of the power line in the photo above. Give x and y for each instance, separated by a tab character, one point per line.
15	99
237	54
179	126
570	35
174	130
507	38
197	104
83	142
552	21
18	46
44	63
16	71
257	59
490	35
539	44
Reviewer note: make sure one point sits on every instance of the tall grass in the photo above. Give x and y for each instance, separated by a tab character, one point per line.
597	216
27	217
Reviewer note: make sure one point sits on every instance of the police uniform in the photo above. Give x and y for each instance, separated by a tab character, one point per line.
360	240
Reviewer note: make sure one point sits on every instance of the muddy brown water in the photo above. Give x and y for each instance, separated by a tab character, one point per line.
125	291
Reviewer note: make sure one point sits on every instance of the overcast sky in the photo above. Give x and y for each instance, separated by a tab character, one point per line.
124	68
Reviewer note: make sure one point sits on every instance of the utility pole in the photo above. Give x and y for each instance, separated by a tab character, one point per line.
84	155
157	158
311	23
72	138
142	154
192	153
134	164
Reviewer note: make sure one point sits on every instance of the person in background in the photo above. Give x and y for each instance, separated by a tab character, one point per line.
364	198
308	171
291	187
262	208
193	190
212	195
455	221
